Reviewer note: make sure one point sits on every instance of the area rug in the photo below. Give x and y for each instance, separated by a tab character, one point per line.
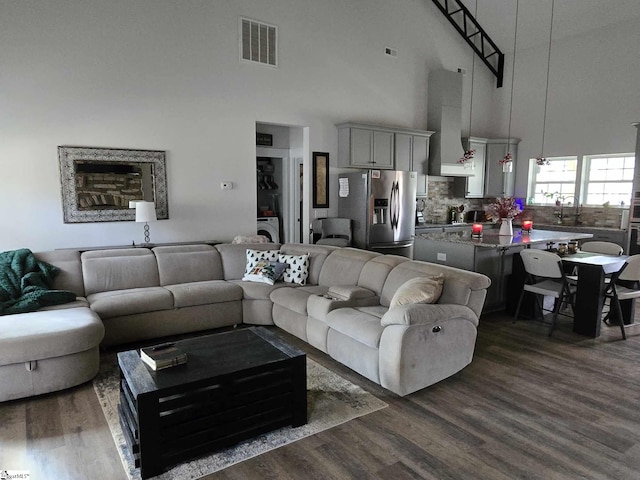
331	401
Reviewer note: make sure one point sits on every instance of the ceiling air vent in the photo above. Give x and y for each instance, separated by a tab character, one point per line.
258	42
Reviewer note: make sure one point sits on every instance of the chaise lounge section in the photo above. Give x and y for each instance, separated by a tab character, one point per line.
347	307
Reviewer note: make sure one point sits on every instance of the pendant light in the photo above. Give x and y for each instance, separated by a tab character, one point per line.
541	160
507	161
467	159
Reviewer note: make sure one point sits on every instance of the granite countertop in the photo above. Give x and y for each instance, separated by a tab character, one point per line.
542	226
491	239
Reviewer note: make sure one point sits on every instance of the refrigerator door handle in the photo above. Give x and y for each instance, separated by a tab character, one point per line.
394	206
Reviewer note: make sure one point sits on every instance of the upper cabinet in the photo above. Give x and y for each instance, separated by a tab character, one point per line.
500	181
365	146
412	155
384	147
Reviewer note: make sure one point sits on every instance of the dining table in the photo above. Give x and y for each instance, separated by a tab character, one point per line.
592	269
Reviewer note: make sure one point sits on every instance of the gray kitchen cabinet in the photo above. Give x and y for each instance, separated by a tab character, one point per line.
363	146
498	182
412	154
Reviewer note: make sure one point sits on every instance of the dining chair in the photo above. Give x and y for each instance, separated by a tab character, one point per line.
624	285
546	277
605	248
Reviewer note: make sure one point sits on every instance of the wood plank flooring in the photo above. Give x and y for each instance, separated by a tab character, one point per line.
528	407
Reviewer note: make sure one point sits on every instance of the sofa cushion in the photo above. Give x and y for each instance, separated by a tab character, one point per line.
295	298
343	266
374	273
234	257
45	334
418	290
188	263
457	288
204	293
122	269
69	276
360	323
257	291
297	270
118	303
317	256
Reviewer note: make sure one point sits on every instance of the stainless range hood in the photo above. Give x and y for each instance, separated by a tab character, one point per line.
444	116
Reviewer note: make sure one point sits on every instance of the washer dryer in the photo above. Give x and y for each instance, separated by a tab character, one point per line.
269	227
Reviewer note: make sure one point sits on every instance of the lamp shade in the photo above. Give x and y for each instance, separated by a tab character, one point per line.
145	211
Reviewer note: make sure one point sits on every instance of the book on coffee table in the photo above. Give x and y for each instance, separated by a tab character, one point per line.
163	356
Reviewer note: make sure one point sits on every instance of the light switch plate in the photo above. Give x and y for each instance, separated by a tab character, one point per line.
442	257
226	185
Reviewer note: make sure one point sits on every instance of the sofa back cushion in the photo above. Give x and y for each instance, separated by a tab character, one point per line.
317	256
69	275
234	257
188	263
461	287
107	270
375	272
343	266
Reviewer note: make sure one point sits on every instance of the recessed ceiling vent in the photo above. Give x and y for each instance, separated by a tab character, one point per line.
258	42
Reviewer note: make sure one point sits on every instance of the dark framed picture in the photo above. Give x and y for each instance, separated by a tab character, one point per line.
320	180
264	139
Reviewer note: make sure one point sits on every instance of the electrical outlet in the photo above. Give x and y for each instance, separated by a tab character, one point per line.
442	257
226	185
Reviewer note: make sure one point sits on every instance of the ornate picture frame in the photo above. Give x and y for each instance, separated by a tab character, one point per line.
82	204
320	180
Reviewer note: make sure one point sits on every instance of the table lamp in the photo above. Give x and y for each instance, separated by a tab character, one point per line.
145	212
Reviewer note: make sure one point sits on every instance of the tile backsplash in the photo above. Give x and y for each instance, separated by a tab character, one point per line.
442	196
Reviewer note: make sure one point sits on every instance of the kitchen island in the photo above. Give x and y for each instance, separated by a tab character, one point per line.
491	254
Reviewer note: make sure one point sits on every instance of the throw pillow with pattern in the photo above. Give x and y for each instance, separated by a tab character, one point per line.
265	272
254	256
297	268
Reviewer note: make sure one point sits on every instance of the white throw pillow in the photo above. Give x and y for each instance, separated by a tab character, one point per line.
254	256
418	290
297	268
265	272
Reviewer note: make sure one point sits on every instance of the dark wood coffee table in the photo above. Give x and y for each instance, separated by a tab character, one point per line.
235	385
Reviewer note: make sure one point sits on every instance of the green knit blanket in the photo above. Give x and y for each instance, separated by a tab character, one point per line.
25	283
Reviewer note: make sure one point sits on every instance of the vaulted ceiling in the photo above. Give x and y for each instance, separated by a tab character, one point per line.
571	17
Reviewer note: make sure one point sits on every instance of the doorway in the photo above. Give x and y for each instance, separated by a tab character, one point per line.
280	182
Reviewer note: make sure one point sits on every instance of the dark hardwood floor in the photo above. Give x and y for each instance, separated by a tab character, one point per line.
528	407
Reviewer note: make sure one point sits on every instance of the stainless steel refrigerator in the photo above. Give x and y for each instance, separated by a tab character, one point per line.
382	207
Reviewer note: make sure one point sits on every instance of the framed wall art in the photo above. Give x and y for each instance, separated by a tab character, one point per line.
98	183
320	180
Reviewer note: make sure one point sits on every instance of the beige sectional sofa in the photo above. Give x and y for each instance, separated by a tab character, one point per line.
135	294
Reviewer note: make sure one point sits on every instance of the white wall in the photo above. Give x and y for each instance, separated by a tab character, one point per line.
593	97
161	74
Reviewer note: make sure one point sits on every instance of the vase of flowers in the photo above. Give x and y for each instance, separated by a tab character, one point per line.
504	209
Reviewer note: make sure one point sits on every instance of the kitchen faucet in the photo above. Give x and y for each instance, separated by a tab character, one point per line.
560	213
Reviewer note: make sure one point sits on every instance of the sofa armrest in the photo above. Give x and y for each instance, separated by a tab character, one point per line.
349	292
424	314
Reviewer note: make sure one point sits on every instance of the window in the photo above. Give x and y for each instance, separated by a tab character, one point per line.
593	179
558	179
609	179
